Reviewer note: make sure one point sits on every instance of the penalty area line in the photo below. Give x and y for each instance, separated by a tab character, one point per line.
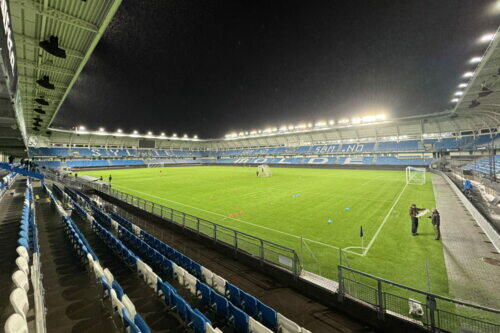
232	218
384	221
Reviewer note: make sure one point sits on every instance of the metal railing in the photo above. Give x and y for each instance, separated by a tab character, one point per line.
429	310
259	248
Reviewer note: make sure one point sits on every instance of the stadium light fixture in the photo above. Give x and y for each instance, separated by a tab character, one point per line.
135	132
475	60
150	133
468	74
331	122
344	121
454	100
195	136
462	85
486	38
185	136
320	123
119	130
162	134
310	125
459	93
101	129
174	135
81	128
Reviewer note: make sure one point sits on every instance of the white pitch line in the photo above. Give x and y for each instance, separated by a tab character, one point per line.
232	218
384	221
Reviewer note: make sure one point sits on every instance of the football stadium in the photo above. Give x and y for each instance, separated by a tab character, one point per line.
354	222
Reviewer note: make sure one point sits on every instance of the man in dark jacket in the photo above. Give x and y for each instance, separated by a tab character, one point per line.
436	222
414	218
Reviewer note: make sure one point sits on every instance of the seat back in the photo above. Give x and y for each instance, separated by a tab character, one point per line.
19	300
22	264
20	279
22	252
16	324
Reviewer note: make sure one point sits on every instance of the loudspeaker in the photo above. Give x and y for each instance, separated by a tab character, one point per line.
52	47
41	101
44	82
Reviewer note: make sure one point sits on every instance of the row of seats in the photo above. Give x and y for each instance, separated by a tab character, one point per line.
27	245
239	309
17	168
121	303
483	165
192	317
342	160
466	142
207	283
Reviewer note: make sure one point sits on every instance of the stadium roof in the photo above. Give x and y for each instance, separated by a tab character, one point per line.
481	96
78	25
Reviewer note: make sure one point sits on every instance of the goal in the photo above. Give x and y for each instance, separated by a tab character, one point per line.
264	170
415	176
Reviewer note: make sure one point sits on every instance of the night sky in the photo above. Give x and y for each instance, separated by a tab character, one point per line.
212	67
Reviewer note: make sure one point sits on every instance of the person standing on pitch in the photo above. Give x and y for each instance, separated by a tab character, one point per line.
414	218
436	222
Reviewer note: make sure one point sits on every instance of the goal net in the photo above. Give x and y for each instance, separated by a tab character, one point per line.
264	170
415	176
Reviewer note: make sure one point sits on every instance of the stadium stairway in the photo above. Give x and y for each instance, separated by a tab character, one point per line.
304	311
10	213
154	312
72	298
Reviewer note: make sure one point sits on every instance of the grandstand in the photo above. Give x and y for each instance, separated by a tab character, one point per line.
101	234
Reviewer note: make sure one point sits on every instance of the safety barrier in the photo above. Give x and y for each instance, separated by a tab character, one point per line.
121	303
241	310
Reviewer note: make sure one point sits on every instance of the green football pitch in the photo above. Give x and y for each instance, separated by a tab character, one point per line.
314	211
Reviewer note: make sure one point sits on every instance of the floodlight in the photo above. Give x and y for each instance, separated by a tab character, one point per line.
162	134
454	100
310	125
81	128
150	133
356	120
344	121
331	122
468	74
185	135
320	123
135	132
475	60
459	93
101	129
462	85
195	136
119	130
283	128
486	38
174	135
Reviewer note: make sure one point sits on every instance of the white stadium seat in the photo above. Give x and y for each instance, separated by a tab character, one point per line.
20	279
21	250
19	300
285	325
22	264
255	327
16	324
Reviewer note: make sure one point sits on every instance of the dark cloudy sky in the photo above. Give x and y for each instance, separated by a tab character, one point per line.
210	67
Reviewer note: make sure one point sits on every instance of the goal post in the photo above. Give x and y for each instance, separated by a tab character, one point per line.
415	176
264	170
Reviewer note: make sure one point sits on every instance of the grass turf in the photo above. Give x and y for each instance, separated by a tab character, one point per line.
298	203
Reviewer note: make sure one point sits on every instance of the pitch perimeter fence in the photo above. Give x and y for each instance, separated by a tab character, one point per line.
426	309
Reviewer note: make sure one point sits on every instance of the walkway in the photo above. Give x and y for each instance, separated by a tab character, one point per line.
72	297
472	263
